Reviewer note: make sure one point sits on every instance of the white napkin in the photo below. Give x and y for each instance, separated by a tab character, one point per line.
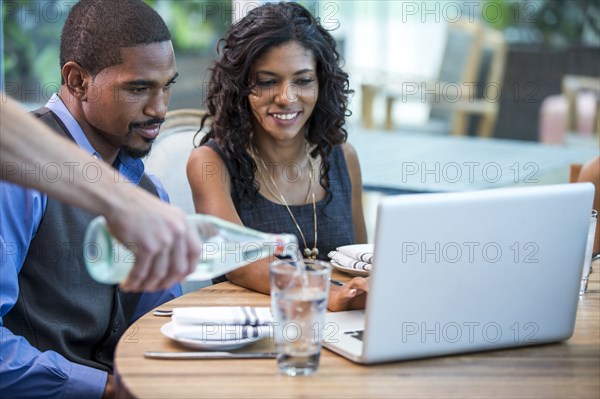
359	256
221	323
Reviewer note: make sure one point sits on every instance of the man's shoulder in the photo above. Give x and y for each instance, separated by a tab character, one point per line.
154	186
46	115
42	112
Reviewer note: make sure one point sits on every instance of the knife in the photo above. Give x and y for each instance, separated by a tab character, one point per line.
210	355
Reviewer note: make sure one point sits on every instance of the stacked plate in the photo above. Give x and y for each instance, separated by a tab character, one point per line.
218	327
356	260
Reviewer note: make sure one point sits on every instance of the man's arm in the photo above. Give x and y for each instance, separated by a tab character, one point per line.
24	370
167	247
28	373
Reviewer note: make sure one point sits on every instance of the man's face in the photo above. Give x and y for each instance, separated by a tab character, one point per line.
126	103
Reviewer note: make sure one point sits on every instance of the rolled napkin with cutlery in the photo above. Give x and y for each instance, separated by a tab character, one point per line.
358	257
222	323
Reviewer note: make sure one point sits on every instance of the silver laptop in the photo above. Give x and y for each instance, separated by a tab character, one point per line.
467	272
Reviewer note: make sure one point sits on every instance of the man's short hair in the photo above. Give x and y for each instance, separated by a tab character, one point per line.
96	30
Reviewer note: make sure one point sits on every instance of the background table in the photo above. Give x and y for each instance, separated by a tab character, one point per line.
413	162
569	369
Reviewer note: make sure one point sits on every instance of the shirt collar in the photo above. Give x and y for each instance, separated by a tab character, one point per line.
131	168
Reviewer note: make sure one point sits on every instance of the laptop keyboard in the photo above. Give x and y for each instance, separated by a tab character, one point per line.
358	334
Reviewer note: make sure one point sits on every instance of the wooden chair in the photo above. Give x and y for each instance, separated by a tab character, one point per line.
460	63
575	112
482	111
474	58
573	85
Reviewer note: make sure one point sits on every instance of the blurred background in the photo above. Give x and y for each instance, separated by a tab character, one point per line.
516	69
449	95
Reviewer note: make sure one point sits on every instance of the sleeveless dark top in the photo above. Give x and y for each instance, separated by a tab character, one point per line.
334	213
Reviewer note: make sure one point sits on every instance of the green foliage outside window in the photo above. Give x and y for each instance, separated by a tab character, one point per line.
557	23
32	38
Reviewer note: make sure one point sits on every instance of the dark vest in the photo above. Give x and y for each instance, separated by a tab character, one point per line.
60	308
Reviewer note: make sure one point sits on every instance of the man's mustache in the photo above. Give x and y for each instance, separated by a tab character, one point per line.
149	122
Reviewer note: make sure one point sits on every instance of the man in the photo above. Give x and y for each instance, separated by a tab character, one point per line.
59	328
158	230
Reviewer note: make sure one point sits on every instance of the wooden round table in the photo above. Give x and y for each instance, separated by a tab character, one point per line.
569	369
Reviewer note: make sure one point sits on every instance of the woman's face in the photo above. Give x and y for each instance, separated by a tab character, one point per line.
285	91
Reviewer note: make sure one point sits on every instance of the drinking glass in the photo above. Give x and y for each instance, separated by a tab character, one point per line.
299	303
587	260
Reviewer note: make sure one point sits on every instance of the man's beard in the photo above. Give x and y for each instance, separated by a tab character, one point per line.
134	152
138	152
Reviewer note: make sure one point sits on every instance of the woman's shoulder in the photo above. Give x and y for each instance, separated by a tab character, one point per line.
348	150
207	170
207	157
204	152
345	151
210	150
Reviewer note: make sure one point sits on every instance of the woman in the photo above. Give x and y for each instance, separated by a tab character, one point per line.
275	157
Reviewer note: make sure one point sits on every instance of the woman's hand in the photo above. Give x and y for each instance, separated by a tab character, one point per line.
352	295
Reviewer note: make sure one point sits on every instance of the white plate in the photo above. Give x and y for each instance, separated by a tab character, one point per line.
167	331
349	270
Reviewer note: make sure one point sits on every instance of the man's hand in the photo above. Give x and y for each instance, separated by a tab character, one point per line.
166	246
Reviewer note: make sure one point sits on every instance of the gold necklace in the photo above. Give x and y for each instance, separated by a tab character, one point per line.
307	252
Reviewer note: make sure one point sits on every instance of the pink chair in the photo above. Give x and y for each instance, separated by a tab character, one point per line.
574	111
553	120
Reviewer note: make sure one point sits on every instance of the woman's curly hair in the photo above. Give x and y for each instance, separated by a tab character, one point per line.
266	27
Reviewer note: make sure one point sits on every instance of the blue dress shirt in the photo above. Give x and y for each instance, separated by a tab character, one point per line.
24	370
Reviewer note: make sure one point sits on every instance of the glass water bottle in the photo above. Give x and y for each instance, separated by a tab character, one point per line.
225	246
